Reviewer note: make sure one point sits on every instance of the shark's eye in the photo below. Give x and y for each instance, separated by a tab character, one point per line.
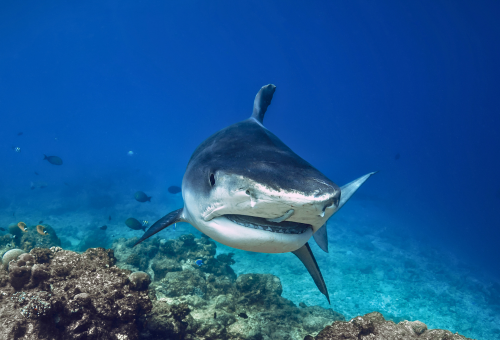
212	180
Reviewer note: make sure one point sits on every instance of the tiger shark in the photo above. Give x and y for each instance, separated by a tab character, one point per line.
245	188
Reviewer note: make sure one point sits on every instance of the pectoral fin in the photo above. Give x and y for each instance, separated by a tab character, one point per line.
321	238
305	255
350	188
162	223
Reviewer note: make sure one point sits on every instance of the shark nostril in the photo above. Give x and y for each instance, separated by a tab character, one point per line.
330	204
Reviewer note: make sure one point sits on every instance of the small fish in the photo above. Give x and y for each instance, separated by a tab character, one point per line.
19	133
109	218
142	197
36	173
41	230
53	160
22	226
39	185
2	229
243	315
174	189
199	262
104	227
215	315
130	153
13	214
16	148
66	184
397	156
134	224
41	221
145	223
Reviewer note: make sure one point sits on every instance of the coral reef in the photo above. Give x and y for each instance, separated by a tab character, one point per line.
196	295
58	294
373	326
166	289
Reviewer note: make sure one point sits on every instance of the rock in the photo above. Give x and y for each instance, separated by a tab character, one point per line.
167	321
20	271
186	282
373	326
11	255
139	280
162	266
416	326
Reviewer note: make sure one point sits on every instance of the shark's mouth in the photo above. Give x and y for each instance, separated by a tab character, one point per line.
285	227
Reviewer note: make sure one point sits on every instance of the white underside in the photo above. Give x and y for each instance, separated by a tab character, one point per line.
236	236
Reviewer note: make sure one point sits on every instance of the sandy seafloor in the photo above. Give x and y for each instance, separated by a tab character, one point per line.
369	267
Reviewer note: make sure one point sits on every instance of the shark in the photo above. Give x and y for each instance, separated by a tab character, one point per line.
243	187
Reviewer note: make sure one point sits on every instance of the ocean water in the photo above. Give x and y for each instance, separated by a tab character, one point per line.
406	89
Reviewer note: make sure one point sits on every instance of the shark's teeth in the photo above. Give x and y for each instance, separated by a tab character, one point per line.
209	212
263	224
282	218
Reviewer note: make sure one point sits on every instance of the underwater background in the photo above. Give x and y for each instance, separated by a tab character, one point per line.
124	91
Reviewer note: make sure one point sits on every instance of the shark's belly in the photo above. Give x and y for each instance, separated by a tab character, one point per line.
226	232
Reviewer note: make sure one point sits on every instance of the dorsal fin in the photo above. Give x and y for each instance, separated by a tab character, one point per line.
262	101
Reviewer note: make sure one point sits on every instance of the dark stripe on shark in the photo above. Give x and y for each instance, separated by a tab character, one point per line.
162	223
305	255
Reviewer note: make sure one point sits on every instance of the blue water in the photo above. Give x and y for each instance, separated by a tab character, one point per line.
409	89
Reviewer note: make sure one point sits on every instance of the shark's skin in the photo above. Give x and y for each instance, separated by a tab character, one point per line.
245	188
